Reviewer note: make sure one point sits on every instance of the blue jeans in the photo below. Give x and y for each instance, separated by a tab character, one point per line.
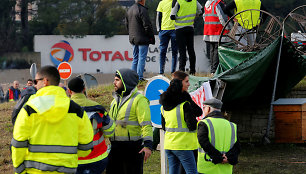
92	168
139	61
185	157
164	37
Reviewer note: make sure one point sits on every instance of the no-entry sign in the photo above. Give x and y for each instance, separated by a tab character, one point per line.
64	70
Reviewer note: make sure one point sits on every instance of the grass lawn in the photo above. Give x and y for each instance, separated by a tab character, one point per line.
254	159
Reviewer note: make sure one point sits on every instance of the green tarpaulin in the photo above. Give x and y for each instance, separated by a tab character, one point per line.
249	76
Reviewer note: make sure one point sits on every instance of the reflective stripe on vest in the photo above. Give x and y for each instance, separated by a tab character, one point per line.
186	14
126	121
43	167
124	138
212	24
100	140
109	125
11	95
85	146
51	148
179	122
19	144
20	168
212	136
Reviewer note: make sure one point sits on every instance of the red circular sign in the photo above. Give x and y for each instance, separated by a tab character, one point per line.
64	70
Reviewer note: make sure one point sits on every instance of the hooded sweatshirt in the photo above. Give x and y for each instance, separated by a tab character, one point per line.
55	128
173	97
140	109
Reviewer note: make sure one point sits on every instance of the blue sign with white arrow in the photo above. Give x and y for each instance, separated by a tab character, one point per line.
154	88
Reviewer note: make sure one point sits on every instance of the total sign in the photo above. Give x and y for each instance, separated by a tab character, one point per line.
93	53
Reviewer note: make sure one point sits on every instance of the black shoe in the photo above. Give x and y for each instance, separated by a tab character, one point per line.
142	80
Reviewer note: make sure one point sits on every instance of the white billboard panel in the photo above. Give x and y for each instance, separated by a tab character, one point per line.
95	53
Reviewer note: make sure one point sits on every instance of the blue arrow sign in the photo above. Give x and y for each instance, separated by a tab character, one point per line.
156	86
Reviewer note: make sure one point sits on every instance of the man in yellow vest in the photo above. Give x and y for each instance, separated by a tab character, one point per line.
51	131
218	143
132	141
184	13
103	127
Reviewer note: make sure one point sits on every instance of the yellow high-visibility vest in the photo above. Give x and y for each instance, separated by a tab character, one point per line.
178	136
248	19
222	135
187	13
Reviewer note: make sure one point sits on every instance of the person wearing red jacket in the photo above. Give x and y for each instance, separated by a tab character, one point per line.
13	93
214	21
103	127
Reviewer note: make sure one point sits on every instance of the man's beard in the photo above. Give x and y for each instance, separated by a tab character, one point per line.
119	90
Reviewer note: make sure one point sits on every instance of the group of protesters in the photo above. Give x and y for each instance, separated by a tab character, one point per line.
55	133
175	22
59	130
14	93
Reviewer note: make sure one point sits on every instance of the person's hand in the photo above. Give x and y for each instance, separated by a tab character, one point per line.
147	152
224	159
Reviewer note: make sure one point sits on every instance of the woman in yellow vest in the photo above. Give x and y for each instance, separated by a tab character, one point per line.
179	114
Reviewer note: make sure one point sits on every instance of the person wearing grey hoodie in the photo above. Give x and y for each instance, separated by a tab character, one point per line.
133	137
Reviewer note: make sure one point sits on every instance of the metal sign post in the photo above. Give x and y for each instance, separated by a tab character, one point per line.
154	88
33	70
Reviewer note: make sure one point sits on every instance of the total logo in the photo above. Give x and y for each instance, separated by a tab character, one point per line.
61	52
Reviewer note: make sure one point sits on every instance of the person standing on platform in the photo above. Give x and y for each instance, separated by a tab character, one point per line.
166	29
140	35
184	13
247	21
214	21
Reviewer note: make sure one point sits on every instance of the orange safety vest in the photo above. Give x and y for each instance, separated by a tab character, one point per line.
212	25
11	95
99	142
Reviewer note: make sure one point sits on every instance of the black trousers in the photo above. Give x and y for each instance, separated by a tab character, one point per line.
212	54
184	39
124	158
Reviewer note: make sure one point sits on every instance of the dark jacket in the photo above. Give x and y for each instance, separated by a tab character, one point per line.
139	25
24	97
1	95
16	94
214	154
171	98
